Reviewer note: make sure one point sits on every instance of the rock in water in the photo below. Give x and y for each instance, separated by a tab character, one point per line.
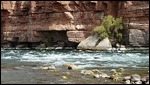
120	69
44	68
49	68
138	82
94	43
113	71
127	78
127	82
143	79
70	66
87	72
96	76
52	67
66	64
135	77
104	75
96	71
64	78
147	82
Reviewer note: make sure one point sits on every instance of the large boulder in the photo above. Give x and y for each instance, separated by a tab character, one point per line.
104	44
88	43
94	43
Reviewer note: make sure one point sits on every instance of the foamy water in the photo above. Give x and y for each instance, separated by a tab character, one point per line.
84	59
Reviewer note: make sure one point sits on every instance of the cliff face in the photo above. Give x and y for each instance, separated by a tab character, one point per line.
136	20
69	22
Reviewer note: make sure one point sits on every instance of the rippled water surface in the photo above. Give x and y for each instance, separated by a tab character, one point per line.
83	59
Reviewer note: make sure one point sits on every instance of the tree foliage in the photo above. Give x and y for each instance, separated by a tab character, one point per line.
110	27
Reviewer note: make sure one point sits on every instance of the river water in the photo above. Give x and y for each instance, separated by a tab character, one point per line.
21	66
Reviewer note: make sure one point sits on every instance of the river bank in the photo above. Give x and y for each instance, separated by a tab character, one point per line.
74	48
28	75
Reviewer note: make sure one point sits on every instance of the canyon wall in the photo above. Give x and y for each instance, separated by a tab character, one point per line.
67	23
136	20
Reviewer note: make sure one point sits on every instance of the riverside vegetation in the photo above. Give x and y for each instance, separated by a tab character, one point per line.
111	28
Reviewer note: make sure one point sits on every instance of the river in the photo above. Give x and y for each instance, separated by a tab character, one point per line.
21	66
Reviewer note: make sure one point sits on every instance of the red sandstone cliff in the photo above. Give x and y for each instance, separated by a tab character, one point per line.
136	20
70	21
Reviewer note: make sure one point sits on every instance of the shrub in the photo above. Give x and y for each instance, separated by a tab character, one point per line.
100	31
108	22
110	28
119	37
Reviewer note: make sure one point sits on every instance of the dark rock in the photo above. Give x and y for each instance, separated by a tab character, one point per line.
21	46
71	66
41	46
6	46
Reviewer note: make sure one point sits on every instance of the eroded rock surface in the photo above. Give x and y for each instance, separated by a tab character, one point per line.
70	21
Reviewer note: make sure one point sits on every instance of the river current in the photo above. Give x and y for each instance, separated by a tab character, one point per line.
24	62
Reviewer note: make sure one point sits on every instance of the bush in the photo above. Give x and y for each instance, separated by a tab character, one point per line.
100	31
119	36
110	28
108	22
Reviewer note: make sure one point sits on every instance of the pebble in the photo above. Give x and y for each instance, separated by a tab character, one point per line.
64	77
115	78
126	78
52	67
113	71
87	72
147	82
135	77
71	66
147	78
143	79
112	76
96	71
138	82
96	58
96	76
120	69
104	75
127	82
118	74
44	68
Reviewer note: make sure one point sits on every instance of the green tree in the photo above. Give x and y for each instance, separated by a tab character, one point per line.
111	28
